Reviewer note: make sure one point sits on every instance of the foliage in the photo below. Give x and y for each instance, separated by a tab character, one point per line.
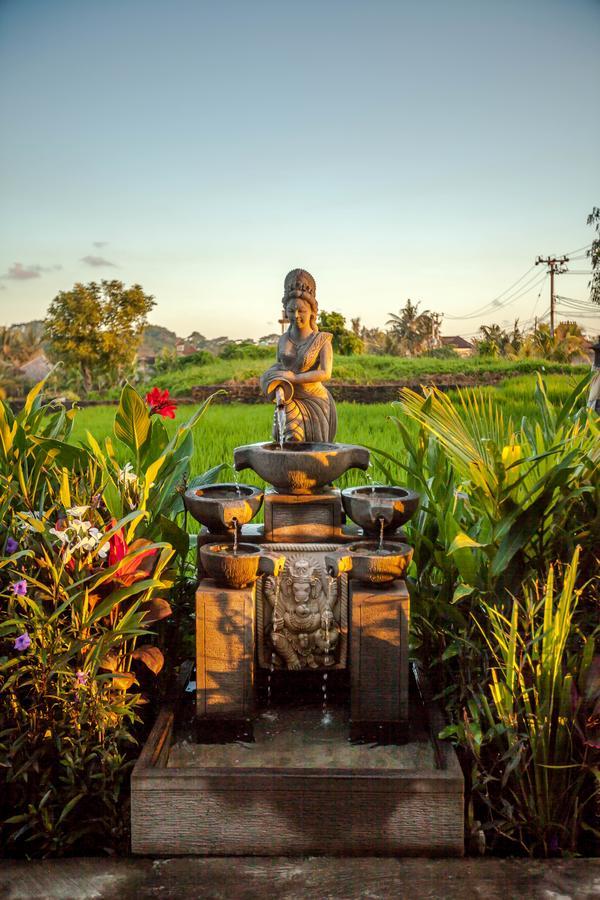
345	341
244	350
500	503
536	758
87	558
567	343
496	341
413	332
97	328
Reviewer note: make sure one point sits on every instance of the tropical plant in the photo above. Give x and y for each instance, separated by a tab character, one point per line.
88	555
501	502
566	344
537	765
413	332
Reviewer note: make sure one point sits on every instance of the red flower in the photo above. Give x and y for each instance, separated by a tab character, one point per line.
160	403
134	569
117	546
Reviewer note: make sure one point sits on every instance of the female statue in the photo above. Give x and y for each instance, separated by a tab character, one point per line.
304	362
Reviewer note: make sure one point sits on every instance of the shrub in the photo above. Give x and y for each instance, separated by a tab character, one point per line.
245	350
88	554
501	502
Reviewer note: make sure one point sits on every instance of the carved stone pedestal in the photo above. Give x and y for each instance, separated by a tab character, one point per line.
224	652
379	661
303	518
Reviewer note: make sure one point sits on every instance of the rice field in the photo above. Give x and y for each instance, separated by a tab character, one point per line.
226	426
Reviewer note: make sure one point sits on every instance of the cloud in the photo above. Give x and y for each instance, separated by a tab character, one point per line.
100	243
97	261
19	272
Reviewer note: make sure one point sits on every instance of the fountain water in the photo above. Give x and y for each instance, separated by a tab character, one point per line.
234	522
280	415
381	527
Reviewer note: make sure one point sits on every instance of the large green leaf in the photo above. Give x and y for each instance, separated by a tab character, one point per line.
132	420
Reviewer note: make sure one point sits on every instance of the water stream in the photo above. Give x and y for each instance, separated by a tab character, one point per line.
280	416
381	527
234	522
236	479
326	718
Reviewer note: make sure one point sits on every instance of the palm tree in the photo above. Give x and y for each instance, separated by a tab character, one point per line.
413	332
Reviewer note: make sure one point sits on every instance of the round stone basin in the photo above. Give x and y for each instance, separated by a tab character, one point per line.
368	505
367	561
302	467
239	569
217	505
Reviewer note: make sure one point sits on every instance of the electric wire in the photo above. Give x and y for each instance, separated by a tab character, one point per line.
492	303
495	305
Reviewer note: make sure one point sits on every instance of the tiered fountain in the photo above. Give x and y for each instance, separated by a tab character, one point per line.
302	648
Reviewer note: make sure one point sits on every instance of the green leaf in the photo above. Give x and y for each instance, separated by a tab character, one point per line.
460	591
462	541
132	420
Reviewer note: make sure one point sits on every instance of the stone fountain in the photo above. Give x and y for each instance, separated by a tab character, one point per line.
302	648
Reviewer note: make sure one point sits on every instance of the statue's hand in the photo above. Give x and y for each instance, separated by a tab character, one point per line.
287	376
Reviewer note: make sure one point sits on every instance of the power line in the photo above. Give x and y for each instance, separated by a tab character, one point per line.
495	304
477	311
578	250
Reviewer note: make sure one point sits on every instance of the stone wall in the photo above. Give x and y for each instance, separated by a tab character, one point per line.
249	392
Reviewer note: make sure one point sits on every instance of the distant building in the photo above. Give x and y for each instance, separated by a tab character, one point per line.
36	368
184	348
459	344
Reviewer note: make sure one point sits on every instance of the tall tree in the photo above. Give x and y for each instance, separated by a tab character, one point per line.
345	342
414	332
97	328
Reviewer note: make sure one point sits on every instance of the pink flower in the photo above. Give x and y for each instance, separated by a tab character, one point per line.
160	403
23	641
81	677
19	588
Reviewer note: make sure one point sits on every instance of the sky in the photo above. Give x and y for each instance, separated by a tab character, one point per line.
396	150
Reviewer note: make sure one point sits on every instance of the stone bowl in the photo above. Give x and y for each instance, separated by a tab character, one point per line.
366	561
367	506
239	569
300	467
217	505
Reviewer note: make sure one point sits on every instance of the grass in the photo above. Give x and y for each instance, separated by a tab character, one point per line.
226	426
354	370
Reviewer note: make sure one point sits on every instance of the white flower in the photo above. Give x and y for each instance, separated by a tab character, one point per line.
103	551
77	511
127	475
64	537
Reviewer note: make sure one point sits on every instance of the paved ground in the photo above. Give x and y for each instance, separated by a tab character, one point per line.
286	879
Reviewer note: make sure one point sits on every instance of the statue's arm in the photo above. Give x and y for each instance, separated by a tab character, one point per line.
323	373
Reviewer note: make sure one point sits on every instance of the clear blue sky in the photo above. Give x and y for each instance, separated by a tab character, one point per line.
426	150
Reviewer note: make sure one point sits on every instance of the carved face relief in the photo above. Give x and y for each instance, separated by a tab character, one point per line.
299	312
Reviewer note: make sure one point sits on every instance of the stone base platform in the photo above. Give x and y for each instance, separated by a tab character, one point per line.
301	788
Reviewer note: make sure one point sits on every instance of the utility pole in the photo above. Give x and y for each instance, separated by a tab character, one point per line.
556	266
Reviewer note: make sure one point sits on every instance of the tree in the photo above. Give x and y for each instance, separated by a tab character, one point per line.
496	341
413	332
97	328
345	342
565	345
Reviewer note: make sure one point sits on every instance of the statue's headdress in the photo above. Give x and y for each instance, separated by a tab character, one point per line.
300	285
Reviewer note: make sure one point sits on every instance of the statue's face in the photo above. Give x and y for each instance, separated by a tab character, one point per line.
298	312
